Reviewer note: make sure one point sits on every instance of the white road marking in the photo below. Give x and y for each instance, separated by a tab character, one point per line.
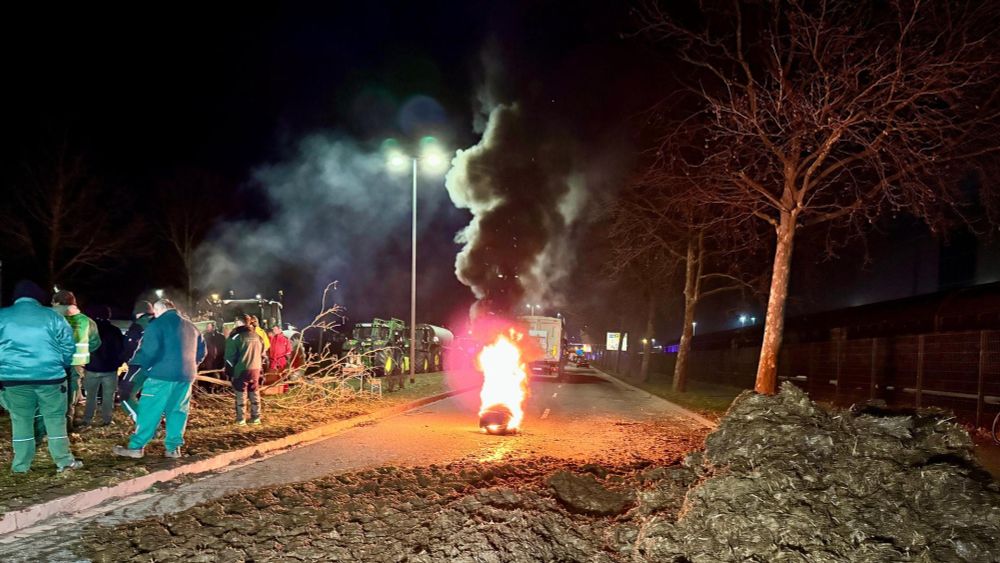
545	414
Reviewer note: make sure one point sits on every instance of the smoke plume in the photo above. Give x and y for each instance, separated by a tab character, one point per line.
335	213
522	185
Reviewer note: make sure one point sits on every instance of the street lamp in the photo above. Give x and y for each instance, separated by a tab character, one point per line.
159	293
743	320
753	320
694	327
433	160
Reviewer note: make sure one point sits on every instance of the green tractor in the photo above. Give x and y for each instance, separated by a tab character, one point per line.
383	348
380	346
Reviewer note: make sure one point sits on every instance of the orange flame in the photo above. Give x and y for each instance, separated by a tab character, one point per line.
505	381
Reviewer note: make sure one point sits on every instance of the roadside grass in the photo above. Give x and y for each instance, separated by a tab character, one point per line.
702	397
708	399
210	431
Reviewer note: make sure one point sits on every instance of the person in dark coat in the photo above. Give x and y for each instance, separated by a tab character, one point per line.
130	384
142	314
100	377
215	355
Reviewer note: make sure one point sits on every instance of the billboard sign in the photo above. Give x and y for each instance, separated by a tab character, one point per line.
612	341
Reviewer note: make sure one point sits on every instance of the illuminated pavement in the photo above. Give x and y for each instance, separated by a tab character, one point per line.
586	418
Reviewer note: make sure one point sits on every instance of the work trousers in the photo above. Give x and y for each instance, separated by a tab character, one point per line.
24	402
75	393
103	384
247	384
162	399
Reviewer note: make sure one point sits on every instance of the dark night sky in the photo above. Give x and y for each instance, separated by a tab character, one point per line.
230	90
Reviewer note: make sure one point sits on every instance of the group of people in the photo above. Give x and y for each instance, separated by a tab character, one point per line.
50	356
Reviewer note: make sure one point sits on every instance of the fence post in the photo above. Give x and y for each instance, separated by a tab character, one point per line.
982	376
920	370
872	387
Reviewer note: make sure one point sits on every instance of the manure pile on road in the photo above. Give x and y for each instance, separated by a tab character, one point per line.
790	481
780	480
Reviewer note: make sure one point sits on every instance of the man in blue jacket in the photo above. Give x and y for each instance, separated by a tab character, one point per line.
36	347
170	352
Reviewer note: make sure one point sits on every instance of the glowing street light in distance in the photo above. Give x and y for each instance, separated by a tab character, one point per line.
398	162
159	293
433	160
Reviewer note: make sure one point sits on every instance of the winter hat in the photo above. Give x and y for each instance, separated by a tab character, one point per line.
28	288
64	298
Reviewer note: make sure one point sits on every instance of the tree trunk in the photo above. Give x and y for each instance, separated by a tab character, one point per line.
687	330
647	340
774	324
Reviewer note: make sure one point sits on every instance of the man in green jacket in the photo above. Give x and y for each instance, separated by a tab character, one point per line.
36	347
87	339
244	354
170	351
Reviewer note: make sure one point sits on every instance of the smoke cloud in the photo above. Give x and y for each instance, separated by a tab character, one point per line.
523	186
335	214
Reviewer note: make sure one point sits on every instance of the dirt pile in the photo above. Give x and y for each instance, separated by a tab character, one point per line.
793	482
466	512
781	479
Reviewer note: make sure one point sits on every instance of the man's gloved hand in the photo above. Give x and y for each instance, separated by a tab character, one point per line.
122	369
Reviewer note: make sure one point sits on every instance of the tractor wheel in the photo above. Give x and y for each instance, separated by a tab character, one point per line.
437	361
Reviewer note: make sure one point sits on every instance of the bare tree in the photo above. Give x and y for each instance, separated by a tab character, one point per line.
835	113
640	285
61	218
189	205
652	217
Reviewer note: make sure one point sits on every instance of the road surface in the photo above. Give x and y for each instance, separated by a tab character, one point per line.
586	418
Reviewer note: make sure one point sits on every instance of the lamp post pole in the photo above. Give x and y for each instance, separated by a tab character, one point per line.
413	280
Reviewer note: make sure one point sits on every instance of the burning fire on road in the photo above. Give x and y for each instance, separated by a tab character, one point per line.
505	385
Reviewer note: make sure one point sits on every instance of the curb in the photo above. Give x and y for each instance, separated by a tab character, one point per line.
29	516
680	410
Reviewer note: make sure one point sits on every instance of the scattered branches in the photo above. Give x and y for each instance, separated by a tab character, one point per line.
315	378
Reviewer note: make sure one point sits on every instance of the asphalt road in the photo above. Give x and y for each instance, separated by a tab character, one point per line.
587	417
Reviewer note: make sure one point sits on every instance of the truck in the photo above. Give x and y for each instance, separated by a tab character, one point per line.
431	342
548	333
